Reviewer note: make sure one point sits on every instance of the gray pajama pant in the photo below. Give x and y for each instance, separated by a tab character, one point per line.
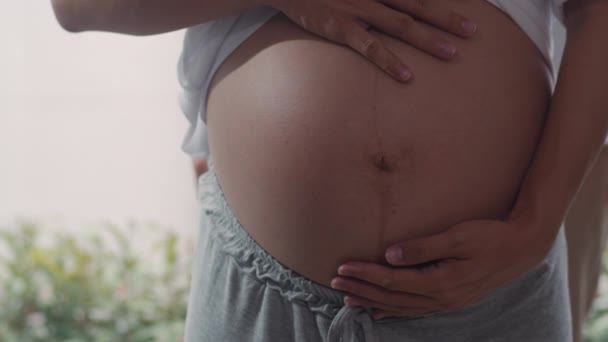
240	293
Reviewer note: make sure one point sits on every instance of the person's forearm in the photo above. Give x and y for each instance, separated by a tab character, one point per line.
576	125
139	17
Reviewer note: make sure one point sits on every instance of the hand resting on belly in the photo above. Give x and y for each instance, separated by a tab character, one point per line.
323	158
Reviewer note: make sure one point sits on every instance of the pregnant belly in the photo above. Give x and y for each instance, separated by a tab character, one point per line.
323	158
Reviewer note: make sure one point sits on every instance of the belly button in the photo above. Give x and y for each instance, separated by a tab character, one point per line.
381	162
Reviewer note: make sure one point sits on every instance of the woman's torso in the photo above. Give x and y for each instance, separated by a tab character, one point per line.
323	158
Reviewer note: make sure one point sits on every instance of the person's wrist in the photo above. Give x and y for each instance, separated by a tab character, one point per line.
536	210
534	232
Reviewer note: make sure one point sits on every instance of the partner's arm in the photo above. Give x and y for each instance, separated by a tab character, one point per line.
341	21
139	17
576	125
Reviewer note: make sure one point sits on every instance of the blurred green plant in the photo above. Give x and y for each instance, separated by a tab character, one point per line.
92	287
596	328
96	287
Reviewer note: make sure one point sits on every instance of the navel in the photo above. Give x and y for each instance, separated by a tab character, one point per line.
382	162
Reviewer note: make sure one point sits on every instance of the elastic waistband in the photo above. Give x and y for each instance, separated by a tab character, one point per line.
253	259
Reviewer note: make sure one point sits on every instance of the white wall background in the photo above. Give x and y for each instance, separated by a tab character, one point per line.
90	127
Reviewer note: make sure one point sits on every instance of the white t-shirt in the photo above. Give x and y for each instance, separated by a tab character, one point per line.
207	45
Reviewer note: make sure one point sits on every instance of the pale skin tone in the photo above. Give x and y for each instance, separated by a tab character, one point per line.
474	257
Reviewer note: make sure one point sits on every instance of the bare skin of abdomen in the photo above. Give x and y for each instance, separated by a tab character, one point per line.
323	158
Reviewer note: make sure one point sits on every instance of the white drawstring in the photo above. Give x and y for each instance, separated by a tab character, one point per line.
346	323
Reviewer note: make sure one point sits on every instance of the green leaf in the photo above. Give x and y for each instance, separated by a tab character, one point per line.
88	292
